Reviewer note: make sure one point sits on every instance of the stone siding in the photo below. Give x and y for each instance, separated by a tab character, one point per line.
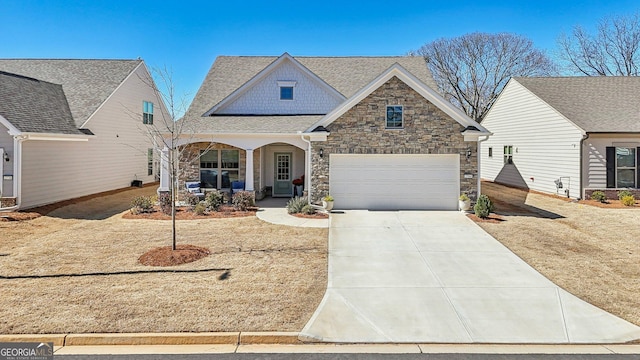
362	130
7	202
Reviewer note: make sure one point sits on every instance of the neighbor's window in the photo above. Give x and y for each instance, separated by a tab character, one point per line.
218	168
490	152
508	154
625	167
286	93
394	117
149	161
147	112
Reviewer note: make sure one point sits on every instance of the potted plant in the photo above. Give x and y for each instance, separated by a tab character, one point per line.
327	202
464	203
299	184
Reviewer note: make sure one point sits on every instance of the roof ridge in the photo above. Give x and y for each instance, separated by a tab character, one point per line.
70	59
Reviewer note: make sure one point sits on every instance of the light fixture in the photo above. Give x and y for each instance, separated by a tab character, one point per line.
468	153
321	152
6	157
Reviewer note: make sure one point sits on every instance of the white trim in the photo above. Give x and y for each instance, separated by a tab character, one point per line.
56	137
266	71
84	125
13	131
401	73
287	83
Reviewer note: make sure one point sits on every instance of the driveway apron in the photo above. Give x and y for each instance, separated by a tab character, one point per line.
437	277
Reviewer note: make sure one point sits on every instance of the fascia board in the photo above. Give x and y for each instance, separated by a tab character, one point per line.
56	137
13	131
264	73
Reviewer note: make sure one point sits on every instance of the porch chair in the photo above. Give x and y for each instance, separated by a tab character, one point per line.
194	188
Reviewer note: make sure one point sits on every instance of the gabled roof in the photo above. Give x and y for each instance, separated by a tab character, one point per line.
595	104
86	83
35	106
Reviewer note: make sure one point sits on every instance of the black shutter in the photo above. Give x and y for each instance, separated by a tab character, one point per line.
638	167
611	167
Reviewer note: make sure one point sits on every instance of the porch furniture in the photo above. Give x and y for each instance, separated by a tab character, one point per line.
194	188
237	186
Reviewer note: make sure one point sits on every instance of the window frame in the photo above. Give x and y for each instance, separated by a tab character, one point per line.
282	88
386	117
147	112
634	167
491	151
507	155
219	167
150	155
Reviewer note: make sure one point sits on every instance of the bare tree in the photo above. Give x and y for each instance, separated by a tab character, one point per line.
612	50
471	70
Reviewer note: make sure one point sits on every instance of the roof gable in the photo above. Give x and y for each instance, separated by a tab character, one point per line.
403	75
34	106
605	104
87	84
260	94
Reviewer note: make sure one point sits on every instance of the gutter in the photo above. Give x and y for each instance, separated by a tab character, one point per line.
584	138
307	177
479	160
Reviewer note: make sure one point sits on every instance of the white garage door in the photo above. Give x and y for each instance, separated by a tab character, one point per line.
394	182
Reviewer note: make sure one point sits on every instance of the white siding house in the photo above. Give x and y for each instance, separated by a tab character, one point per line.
559	131
112	148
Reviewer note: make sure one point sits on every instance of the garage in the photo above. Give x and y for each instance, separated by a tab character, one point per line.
395	181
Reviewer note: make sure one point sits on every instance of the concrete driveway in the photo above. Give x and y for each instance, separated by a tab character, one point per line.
418	276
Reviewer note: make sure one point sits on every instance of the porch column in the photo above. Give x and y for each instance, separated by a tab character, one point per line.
248	177
164	170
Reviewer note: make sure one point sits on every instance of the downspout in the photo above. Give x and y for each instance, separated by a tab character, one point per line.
479	157
307	166
17	172
584	138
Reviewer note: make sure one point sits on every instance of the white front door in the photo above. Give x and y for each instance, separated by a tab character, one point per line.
395	182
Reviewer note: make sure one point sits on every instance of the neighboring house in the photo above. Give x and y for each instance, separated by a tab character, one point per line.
370	131
565	135
70	128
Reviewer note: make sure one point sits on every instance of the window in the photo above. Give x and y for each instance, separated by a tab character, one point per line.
625	167
508	154
147	112
149	162
394	117
490	152
286	93
219	168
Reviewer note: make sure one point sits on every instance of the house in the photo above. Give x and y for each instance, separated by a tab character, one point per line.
70	128
565	135
370	131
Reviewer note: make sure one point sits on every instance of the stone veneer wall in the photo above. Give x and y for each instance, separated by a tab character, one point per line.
361	130
7	202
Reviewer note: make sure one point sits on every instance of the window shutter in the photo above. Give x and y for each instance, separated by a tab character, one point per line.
611	167
638	167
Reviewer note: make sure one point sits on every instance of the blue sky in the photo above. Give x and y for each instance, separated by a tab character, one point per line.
186	36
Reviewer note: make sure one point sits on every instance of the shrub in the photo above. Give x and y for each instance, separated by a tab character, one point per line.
295	205
164	199
200	208
242	200
483	207
214	200
191	199
142	204
308	210
629	200
599	196
624	193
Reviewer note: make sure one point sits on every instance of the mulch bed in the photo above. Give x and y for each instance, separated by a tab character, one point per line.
317	215
492	219
19	216
183	213
165	256
610	204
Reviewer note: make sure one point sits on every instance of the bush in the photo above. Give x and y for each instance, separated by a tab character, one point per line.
242	200
191	199
200	208
483	207
164	199
629	200
142	204
214	200
624	193
308	210
599	196
295	205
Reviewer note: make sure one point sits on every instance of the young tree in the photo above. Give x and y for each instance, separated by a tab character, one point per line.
471	70
612	50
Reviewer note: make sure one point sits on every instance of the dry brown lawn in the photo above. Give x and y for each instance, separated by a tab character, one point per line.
592	252
76	270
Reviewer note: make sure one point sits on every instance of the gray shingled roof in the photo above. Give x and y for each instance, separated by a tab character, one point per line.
33	105
345	74
595	104
86	83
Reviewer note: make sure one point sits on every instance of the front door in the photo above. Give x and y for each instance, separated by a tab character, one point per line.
282	185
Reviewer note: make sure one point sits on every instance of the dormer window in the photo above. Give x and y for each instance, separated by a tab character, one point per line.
286	89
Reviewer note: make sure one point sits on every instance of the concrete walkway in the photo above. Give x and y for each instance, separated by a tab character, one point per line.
273	210
436	277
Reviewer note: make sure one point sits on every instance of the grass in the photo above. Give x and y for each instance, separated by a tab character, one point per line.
68	273
592	252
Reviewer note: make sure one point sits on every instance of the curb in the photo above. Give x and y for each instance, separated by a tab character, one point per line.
211	338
